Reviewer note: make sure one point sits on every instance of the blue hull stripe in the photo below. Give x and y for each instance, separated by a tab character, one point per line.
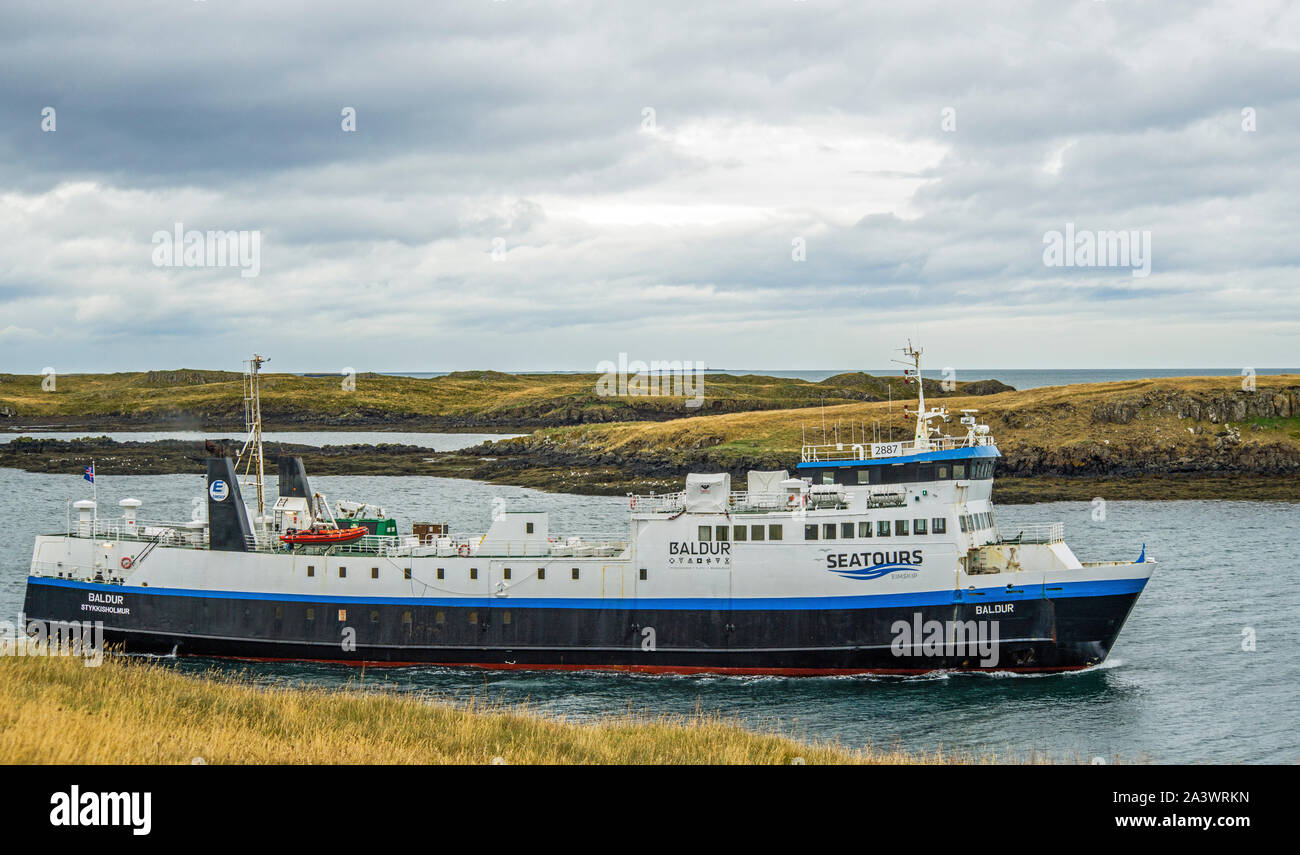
1055	591
950	454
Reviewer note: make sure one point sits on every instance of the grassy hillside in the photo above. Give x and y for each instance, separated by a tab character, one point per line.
467	399
1165	428
56	710
1167	411
1164	438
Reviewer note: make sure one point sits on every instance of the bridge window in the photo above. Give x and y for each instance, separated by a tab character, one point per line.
864	476
939	525
706	532
882	528
810	532
722	532
864	528
962	520
828	531
773	532
918	526
311	614
756	532
900	528
828	477
846	529
959	471
742	532
941	472
374	616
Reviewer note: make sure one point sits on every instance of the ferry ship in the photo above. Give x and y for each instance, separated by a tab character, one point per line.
870	557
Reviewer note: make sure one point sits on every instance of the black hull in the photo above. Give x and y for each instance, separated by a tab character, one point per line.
1032	633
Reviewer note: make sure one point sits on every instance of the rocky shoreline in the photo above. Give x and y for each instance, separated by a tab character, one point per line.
1217	469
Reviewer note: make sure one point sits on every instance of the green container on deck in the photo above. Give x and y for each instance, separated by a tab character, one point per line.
386	527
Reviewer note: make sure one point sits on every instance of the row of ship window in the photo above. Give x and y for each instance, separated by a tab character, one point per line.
506	572
883	528
905	473
740	533
975	522
831	531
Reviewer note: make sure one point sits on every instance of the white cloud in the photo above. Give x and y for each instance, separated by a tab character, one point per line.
523	122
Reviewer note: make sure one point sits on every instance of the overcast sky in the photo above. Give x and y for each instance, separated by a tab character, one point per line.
536	185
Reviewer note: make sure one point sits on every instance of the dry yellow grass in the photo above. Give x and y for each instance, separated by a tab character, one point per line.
213	397
57	710
1051	416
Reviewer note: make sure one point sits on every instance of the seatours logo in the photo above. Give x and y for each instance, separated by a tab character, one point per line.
873	565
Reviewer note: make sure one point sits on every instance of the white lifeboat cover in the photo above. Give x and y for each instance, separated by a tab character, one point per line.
707	494
766	482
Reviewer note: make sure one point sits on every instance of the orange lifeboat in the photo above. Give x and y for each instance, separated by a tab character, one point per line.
323	536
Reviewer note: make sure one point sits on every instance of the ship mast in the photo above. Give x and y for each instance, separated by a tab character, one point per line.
922	436
253	425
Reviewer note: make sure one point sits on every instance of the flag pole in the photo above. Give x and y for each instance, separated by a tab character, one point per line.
94	485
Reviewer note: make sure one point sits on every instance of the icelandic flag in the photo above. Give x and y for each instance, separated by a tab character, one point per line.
89	474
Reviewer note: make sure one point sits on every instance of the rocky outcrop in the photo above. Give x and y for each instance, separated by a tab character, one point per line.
1213	407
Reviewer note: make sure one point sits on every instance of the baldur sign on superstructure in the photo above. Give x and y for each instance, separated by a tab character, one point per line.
873	557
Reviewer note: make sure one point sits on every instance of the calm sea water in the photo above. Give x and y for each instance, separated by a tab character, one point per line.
1178	686
431	441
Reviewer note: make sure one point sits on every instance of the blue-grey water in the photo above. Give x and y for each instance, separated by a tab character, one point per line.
431	441
1178	687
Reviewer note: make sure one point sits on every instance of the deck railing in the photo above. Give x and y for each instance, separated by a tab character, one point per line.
178	534
1044	533
841	451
